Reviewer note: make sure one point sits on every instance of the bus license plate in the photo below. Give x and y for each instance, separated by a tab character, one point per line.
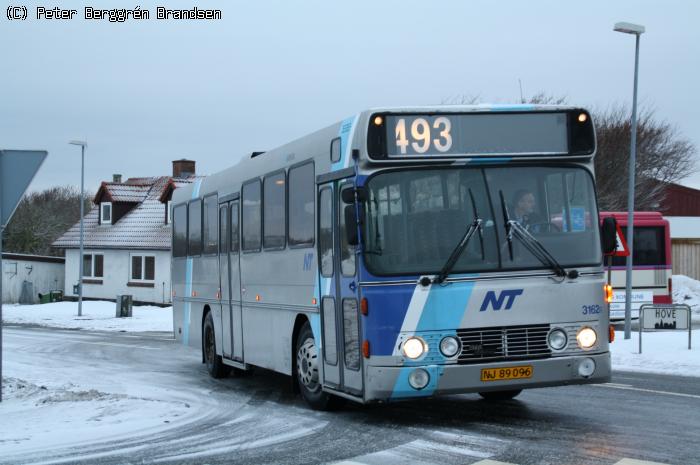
500	374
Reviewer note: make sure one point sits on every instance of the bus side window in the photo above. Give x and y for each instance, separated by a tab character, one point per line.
251	217
195	228
347	252
325	231
209	228
234	227
274	206
335	150
223	229
180	231
301	206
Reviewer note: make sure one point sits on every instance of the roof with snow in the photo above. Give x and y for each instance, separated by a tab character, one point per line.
138	211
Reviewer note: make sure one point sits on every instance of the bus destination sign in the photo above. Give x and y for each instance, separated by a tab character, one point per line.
450	135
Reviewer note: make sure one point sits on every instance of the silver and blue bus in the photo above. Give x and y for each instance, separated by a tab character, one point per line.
402	253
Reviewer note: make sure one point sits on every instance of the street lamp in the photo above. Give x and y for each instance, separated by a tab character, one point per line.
637	30
82	145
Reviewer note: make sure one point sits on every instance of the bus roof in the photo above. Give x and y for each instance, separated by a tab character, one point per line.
516	107
646	218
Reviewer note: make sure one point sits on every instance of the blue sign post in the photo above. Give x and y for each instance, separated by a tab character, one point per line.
17	169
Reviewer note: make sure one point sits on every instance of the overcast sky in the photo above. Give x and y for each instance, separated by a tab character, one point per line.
145	93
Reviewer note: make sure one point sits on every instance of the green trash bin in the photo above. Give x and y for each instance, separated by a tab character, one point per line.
44	298
56	296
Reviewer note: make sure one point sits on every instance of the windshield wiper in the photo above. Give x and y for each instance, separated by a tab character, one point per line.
513	228
459	249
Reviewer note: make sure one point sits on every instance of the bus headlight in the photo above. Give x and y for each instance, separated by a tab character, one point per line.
557	339
418	378
449	346
413	347
586	337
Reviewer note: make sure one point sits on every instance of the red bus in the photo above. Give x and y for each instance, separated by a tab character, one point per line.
651	263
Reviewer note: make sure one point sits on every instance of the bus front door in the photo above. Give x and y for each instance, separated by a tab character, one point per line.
340	312
229	270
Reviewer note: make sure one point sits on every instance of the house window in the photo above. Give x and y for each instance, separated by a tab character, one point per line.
106	213
143	267
93	265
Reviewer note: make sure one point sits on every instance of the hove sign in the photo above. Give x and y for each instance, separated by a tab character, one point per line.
17	169
660	317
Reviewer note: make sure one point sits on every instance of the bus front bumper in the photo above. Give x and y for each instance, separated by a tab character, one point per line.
392	383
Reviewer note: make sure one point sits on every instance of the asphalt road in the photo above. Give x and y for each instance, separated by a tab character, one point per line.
256	419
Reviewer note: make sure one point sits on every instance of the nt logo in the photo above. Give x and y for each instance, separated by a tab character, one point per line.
506	297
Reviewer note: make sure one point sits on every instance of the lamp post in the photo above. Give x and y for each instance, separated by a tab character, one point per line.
81	260
637	30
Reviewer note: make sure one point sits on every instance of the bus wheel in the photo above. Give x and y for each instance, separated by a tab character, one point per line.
500	395
215	365
307	372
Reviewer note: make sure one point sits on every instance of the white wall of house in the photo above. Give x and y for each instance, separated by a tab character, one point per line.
44	277
116	279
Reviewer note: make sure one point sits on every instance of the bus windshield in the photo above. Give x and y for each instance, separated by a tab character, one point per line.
416	217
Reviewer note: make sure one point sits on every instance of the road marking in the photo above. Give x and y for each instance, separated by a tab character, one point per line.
49	331
495	462
626	387
491	462
637	462
82	341
419	451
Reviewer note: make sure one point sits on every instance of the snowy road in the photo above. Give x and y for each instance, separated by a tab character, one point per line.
88	397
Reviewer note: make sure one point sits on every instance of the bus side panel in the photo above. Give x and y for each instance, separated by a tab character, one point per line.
268	337
275	287
205	295
178	271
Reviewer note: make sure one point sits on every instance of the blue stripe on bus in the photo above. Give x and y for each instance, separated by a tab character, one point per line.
517	107
443	310
188	281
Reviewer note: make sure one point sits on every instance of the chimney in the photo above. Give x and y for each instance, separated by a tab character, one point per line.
117	178
183	168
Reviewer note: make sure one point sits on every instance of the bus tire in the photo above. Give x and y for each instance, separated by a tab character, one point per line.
500	395
215	365
307	373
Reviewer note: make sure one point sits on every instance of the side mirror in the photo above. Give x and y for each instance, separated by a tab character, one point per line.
348	195
350	224
608	235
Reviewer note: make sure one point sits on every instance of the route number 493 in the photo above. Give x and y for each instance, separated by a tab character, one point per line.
422	135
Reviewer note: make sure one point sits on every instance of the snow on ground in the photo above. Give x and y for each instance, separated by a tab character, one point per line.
687	291
40	418
97	315
664	352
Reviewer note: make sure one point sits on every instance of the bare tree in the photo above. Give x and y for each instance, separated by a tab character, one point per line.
41	217
663	156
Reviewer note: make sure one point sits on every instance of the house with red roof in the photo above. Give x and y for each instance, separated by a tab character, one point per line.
127	239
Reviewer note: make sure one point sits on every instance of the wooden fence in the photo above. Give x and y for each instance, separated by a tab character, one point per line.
686	257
